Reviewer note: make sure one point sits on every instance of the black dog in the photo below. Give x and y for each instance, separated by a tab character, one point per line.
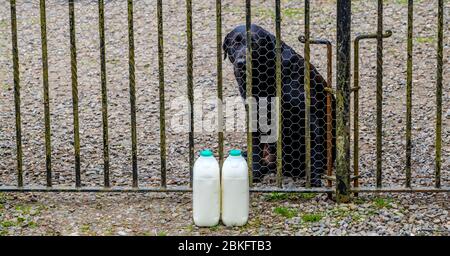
292	107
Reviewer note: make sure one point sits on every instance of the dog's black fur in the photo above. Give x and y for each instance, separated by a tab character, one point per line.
293	103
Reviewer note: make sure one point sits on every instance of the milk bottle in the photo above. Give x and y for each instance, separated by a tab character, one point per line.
235	190
206	190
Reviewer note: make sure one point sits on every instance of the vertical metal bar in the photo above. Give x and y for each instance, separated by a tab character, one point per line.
356	114
249	85
355	90
131	68
279	96
15	53
76	127
329	112
219	78
343	100
307	97
409	64
329	92
101	30
162	110
190	85
439	92
48	149
379	93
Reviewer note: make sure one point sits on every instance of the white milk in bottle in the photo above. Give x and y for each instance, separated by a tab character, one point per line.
235	190
206	190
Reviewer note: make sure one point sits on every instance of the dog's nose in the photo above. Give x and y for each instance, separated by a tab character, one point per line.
240	63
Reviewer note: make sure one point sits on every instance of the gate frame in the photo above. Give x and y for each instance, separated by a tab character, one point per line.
343	189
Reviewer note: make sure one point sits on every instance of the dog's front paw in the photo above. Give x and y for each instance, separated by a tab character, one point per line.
316	183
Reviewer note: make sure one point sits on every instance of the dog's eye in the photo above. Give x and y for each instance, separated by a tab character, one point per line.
238	38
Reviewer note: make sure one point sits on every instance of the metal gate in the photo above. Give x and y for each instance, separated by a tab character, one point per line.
343	181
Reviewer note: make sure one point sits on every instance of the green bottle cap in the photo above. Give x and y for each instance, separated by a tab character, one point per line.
235	152
206	153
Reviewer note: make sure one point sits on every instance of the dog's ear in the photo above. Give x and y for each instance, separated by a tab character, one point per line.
225	46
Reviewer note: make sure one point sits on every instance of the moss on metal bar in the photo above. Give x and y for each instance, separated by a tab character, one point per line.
379	117
74	71
162	111
132	81
48	149
279	96
343	101
439	82
190	85
307	76
16	74
409	64
249	85
219	80
101	30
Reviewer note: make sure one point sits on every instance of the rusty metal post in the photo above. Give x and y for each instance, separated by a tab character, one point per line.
356	88
343	101
329	94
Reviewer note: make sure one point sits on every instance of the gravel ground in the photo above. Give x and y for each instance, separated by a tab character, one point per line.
270	214
66	213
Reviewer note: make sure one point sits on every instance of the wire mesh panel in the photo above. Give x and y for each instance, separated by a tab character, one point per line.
299	106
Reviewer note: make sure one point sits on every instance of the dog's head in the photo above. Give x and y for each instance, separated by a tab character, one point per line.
235	45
